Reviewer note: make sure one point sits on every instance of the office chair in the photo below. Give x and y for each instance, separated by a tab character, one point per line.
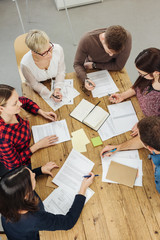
20	50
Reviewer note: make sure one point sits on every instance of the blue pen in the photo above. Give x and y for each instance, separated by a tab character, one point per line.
113	150
87	176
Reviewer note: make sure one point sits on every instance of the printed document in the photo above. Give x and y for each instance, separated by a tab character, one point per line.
69	180
68	93
122	118
104	83
58	128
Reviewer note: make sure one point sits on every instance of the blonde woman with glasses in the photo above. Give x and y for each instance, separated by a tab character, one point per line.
44	61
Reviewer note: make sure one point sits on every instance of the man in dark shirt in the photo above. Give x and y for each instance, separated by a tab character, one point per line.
107	48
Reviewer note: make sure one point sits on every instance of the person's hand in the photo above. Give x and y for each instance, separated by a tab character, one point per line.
48	115
89	84
106	150
116	98
57	95
134	131
86	183
88	65
46	169
47	141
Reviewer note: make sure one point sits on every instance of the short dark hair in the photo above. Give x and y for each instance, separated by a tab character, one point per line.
115	38
149	131
148	61
16	194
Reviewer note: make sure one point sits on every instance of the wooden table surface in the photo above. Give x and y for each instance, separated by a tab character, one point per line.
115	212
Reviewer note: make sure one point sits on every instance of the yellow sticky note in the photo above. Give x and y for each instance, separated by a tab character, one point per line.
96	141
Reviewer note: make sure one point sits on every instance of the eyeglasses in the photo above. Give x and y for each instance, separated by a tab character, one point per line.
46	52
143	75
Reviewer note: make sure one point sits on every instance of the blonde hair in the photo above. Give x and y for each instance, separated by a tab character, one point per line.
5	93
36	40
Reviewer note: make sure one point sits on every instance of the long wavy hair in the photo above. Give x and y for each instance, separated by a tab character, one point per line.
16	194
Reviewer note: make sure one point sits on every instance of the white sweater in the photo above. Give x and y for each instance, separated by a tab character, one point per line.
34	75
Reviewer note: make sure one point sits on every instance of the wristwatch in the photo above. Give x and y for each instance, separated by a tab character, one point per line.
94	65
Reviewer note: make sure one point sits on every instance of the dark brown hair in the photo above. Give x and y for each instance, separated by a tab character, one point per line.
148	61
115	38
149	131
16	194
5	93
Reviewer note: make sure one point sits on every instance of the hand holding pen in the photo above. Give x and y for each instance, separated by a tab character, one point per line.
89	84
115	97
57	96
109	150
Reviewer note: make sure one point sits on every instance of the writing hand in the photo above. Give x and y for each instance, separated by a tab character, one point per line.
116	98
109	150
57	95
89	84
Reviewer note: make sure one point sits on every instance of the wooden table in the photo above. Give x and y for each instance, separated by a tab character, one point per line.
115	212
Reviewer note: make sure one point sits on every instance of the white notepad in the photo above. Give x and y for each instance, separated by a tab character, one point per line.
89	114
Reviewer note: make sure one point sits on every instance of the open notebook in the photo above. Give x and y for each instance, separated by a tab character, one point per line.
89	114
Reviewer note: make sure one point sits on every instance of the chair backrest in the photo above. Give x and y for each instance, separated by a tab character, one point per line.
20	49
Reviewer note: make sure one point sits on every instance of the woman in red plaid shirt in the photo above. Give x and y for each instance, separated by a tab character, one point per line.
15	135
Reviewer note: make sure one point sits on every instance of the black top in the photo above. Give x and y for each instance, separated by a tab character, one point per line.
29	225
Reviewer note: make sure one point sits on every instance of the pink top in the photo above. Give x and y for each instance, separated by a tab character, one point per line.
149	101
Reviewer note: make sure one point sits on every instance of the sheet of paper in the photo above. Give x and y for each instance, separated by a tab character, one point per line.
68	92
61	199
122	174
104	83
72	172
129	158
58	128
122	118
79	140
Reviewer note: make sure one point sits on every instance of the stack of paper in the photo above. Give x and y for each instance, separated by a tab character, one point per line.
127	158
68	93
69	180
58	128
79	140
122	118
104	83
89	114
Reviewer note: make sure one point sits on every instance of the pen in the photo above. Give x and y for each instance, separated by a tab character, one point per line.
56	96
113	150
87	176
89	83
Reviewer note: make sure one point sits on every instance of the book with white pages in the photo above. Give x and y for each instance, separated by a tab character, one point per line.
61	199
68	93
58	128
91	115
104	83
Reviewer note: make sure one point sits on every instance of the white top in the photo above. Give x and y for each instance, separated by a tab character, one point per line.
34	75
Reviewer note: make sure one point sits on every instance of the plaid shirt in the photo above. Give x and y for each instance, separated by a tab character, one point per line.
15	138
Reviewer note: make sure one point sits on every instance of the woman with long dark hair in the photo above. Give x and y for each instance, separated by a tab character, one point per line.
15	135
23	213
147	86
